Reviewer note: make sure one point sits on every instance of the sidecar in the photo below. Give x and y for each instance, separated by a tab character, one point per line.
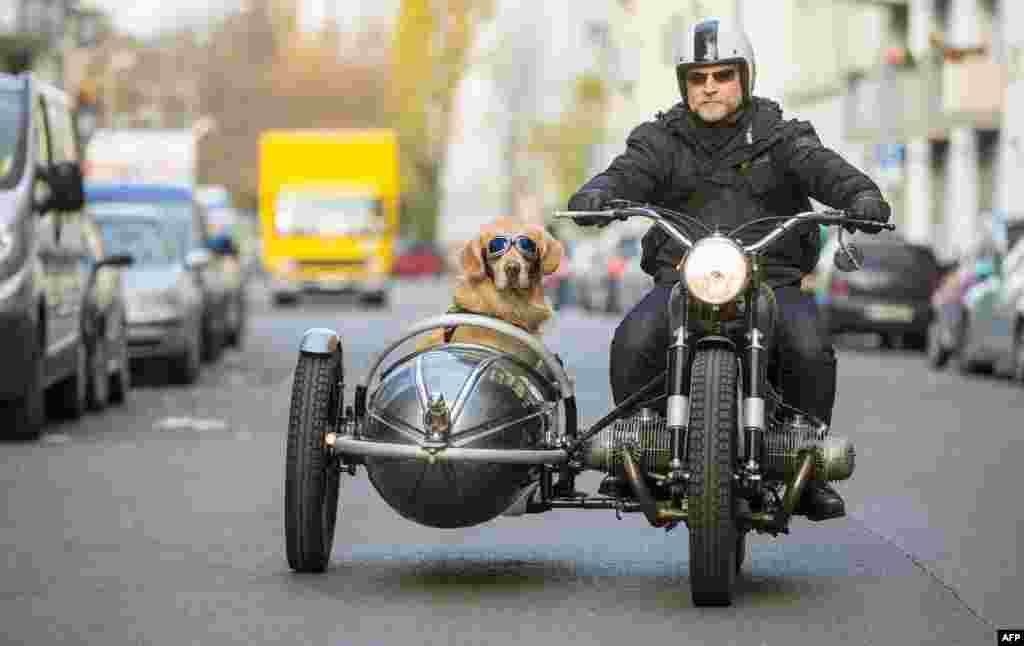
451	436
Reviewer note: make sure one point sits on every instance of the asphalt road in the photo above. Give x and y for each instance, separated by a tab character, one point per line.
161	523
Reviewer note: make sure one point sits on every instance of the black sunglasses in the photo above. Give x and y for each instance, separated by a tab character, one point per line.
499	246
721	76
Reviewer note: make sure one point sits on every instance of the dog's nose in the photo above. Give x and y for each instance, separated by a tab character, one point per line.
512	270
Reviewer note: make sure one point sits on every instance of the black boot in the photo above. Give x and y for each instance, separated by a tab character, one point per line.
819	502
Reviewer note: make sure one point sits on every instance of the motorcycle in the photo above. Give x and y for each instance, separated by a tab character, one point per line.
460	434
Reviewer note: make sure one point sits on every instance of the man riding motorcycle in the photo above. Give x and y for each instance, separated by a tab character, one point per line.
728	157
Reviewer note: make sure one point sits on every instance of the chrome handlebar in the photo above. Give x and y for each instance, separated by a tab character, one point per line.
835	217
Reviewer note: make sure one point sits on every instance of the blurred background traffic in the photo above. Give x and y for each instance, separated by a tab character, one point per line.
296	147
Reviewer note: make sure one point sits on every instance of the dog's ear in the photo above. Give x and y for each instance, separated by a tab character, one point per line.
473	259
551	252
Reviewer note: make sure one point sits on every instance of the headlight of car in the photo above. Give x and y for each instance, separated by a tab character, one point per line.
716	270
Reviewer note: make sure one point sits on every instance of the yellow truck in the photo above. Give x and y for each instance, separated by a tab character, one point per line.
328	204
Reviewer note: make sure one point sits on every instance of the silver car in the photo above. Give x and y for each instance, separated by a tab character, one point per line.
164	298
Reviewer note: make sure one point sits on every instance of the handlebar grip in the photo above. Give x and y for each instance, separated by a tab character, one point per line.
869	226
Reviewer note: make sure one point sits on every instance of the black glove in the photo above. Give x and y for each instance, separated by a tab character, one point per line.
591	199
873	208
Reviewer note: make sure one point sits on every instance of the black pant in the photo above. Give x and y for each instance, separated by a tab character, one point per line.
802	347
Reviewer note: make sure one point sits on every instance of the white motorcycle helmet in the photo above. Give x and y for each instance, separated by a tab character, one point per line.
714	41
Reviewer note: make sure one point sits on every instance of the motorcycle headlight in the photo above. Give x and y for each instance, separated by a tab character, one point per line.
716	270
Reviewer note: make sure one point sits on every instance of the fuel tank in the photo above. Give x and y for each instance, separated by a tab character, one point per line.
463	396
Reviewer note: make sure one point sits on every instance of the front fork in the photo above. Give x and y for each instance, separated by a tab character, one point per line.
677	390
753	397
678	393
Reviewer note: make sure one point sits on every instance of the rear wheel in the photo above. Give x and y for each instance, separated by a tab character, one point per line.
311	477
185	368
70	397
25	416
714	539
121	382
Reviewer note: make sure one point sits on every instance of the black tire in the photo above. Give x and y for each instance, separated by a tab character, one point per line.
281	299
712	448
26	416
70	396
375	299
121	381
938	354
214	340
311	481
916	341
98	395
185	368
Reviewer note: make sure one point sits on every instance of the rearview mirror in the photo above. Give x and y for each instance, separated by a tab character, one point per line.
67	192
116	260
197	259
848	257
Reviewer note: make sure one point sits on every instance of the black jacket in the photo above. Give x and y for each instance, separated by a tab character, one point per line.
770	167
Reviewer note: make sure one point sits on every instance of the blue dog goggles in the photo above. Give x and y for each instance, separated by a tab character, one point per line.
499	246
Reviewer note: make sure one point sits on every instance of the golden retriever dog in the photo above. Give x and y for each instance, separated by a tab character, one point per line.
502	268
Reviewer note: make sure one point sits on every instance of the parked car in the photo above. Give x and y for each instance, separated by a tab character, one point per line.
418	258
609	277
46	271
164	294
991	332
212	268
890	296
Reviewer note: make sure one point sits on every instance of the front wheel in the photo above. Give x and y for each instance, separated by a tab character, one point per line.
712	455
311	477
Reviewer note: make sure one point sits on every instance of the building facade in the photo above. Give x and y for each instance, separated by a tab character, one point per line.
919	90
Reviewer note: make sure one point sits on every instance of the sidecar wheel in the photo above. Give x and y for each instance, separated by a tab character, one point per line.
311	479
713	428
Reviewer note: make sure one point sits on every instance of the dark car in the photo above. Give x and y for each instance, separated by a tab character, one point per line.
889	296
183	222
47	270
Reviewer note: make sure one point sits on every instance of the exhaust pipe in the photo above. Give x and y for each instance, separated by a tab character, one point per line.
657	517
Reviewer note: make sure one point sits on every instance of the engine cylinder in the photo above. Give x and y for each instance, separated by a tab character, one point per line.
784	444
645	433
